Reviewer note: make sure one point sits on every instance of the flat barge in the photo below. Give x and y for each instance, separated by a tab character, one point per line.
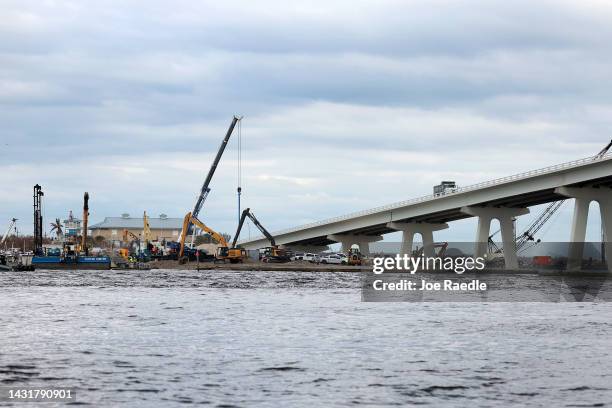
71	262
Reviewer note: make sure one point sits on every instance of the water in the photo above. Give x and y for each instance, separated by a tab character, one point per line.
164	338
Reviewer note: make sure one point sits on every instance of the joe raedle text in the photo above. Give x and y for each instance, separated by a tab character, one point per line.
447	285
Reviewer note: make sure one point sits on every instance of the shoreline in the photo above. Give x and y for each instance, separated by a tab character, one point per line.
308	267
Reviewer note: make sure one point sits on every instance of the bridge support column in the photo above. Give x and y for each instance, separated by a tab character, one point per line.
583	198
409	229
504	215
347	240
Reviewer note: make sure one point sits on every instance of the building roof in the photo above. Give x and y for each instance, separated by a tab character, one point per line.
136	223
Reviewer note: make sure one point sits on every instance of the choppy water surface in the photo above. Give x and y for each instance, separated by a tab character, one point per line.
161	338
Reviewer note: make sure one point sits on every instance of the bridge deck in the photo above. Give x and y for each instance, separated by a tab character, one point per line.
519	190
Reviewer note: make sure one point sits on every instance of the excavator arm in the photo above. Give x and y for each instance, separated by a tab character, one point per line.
271	254
191	220
247	213
127	234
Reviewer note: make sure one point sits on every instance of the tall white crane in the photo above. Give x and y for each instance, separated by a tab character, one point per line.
8	230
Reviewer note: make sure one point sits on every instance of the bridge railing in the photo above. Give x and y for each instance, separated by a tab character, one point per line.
459	190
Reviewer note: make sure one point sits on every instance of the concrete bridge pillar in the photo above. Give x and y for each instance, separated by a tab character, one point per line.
347	240
504	215
409	229
583	197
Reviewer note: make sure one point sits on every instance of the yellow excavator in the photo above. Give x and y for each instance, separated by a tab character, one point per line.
224	253
355	258
146	229
125	251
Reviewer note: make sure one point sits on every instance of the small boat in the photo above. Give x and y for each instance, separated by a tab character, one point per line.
3	265
16	262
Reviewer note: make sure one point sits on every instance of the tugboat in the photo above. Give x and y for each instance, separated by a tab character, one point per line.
73	254
15	262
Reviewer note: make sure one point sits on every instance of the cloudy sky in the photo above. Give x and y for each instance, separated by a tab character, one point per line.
347	104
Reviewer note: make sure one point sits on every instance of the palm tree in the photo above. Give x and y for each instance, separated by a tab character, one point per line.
57	227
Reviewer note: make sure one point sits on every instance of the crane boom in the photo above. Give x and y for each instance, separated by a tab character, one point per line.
127	234
548	212
247	213
205	187
8	230
603	151
534	227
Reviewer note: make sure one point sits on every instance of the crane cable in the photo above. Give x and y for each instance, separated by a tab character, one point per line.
239	189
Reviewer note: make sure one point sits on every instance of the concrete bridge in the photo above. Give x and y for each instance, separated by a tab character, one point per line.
585	180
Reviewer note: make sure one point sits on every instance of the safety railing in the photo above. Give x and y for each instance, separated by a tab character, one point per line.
460	190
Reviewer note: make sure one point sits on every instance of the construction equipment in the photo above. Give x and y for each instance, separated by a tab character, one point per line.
603	151
206	186
440	246
529	234
127	234
139	253
129	243
124	253
58	228
535	226
239	188
38	220
8	230
270	254
191	218
354	257
84	247
146	229
224	253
